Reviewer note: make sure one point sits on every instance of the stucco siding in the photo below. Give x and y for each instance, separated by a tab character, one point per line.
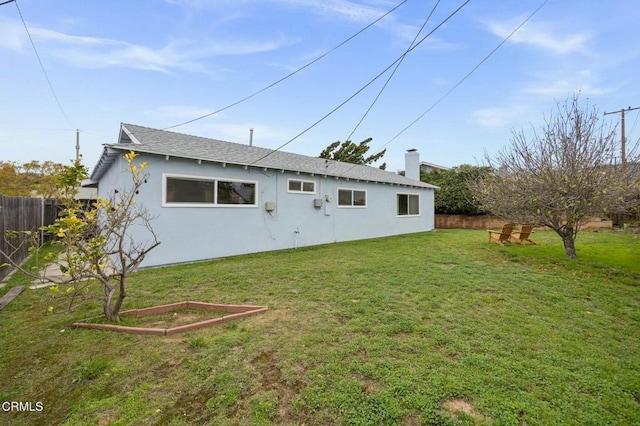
198	233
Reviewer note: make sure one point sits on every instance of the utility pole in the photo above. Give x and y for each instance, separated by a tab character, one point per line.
623	146
77	145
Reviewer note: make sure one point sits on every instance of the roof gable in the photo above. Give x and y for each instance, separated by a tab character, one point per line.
165	143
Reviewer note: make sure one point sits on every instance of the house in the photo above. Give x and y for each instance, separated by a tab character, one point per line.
212	198
426	167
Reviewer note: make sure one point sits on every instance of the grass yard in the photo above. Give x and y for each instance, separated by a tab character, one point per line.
437	328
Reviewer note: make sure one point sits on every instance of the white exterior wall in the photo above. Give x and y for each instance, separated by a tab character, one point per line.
197	233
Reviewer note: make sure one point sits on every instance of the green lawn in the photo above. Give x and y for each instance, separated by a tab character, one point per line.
437	328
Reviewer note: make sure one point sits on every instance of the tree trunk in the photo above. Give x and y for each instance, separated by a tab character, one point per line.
116	309
108	312
111	312
568	239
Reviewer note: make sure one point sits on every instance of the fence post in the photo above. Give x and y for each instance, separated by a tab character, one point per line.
20	214
41	242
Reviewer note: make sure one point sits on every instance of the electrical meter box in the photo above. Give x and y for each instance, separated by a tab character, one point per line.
269	206
317	202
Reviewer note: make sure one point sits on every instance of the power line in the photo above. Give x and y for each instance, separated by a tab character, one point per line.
635	123
455	86
291	74
365	86
384	86
44	71
6	2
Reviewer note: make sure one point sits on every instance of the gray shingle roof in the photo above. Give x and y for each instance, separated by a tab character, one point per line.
162	142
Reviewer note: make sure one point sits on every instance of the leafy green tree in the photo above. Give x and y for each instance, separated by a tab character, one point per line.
29	179
455	196
349	152
561	176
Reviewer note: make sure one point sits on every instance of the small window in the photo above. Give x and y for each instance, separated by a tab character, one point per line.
302	186
352	198
408	205
194	191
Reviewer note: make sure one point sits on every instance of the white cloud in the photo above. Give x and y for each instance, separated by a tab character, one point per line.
174	55
12	35
541	35
334	9
498	116
348	9
264	135
217	126
94	52
175	113
560	86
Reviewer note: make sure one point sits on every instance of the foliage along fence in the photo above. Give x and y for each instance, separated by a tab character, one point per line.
22	214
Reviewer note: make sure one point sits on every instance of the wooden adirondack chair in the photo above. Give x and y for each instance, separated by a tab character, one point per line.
522	236
503	236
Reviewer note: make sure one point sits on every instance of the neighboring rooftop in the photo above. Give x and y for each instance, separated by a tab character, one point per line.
429	167
165	143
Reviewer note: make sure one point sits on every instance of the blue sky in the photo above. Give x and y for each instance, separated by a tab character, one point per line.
161	63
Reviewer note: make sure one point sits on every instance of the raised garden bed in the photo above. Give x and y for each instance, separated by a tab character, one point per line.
173	318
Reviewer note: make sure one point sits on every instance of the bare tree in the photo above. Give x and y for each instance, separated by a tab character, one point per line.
561	176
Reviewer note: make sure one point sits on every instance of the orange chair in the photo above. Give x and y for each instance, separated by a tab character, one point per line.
522	236
503	236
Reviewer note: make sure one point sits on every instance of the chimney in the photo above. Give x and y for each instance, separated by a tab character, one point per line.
412	164
251	136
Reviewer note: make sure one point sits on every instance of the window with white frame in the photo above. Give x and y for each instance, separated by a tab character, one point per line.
408	204
198	191
301	186
352	198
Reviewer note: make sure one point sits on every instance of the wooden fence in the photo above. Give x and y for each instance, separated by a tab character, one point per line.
454	221
457	221
619	219
22	214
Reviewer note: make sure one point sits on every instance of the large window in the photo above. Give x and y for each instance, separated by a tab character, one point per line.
194	191
408	204
352	198
301	186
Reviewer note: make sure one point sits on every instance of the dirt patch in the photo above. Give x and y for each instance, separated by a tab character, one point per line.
457	405
362	354
271	379
411	419
448	353
173	318
342	318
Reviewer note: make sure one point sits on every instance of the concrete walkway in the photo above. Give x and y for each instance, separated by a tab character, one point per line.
50	272
53	275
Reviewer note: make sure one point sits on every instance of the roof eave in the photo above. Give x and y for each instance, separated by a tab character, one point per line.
416	184
107	158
